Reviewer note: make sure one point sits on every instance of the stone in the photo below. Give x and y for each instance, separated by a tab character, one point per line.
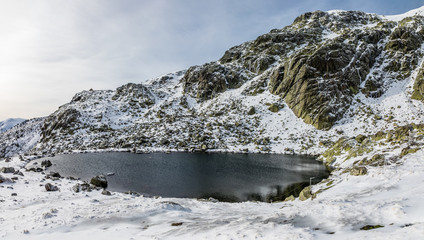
7	170
358	171
289	198
99	181
305	194
17	172
46	163
76	188
106	192
82	187
274	108
251	111
204	147
53	175
51	188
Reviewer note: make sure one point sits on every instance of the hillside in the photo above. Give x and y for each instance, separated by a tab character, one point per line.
296	89
9	123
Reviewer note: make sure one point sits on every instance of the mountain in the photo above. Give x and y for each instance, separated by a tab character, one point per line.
9	123
300	89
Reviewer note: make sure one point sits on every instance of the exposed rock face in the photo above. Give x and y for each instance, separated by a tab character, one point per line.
418	93
206	81
138	93
319	82
62	122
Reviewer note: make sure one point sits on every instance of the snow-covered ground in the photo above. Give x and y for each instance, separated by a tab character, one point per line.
391	196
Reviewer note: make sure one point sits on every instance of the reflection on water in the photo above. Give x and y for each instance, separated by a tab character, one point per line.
227	177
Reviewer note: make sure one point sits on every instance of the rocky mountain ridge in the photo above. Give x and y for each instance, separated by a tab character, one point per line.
9	123
293	90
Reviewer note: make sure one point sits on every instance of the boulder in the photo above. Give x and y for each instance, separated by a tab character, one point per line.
106	192
46	163
51	188
274	107
7	170
99	181
251	111
289	198
305	194
54	175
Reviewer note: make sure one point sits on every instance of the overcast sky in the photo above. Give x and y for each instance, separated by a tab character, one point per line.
50	50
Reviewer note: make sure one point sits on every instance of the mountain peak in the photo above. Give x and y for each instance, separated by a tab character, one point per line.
399	17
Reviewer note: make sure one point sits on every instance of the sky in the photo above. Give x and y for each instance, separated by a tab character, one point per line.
50	50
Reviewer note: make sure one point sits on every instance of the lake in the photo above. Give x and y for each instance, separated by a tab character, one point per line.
223	176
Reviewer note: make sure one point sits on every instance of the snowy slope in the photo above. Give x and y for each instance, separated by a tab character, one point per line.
9	123
373	137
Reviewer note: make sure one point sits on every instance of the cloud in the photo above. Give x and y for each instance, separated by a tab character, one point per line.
52	49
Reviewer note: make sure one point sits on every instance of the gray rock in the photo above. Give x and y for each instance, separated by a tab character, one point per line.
82	187
7	170
46	163
106	192
17	172
53	175
51	188
99	181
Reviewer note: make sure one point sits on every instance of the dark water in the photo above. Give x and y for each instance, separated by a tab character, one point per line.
228	177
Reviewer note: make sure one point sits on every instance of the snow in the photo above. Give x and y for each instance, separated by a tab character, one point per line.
399	17
392	196
9	123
